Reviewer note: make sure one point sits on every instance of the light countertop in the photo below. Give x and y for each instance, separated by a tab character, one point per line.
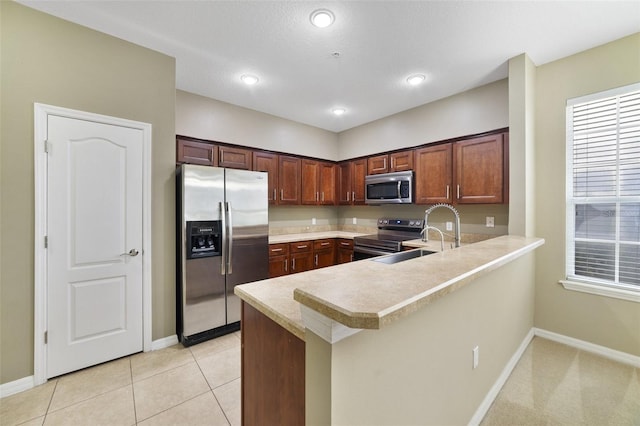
369	295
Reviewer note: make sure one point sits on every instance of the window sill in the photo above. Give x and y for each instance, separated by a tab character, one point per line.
600	290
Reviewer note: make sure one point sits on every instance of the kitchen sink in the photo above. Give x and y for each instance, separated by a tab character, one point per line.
402	256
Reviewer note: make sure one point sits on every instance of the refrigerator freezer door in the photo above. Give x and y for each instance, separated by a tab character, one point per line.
246	197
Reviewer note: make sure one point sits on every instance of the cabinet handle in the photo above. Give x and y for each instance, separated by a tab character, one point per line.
347	195
324	244
293	264
316	260
281	194
286	265
351	258
323	196
392	166
353	196
447	192
344	244
458	192
301	247
317	196
276	249
384	163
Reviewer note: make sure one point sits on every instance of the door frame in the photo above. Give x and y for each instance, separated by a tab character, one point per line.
41	113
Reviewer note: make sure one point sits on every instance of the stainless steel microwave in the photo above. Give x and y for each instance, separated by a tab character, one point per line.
389	188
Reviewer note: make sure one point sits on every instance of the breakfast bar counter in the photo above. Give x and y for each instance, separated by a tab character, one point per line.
369	294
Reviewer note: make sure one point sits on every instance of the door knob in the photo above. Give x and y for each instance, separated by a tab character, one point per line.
132	253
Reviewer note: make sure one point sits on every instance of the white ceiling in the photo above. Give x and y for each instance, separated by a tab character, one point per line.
458	45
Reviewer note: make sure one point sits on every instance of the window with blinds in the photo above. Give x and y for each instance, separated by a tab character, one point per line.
603	188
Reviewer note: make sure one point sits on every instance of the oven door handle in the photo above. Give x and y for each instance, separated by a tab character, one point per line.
367	250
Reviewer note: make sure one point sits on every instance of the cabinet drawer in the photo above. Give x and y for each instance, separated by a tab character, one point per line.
300	247
278	249
345	244
323	244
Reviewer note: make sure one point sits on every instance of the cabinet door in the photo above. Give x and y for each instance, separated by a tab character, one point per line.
478	170
327	184
278	266
433	174
301	262
343	183
378	164
401	161
358	190
324	253
289	180
193	152
268	162
234	158
310	178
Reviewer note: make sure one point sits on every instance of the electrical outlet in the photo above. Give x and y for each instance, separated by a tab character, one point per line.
449	226
355	221
476	357
313	220
490	221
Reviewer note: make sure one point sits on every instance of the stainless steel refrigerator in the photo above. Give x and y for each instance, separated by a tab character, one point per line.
222	241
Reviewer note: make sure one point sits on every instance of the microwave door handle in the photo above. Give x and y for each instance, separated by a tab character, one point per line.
399	193
223	258
230	242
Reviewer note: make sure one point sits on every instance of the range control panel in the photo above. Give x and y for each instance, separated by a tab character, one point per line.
408	224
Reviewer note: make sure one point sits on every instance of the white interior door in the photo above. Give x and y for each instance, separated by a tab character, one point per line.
94	228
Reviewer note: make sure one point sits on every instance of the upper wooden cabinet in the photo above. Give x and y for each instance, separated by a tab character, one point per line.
288	180
387	163
434	174
479	170
350	182
318	183
268	162
193	152
234	158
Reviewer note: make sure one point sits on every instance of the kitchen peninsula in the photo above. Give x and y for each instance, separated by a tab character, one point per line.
374	343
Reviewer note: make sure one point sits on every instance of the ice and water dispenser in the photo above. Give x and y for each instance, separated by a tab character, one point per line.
203	239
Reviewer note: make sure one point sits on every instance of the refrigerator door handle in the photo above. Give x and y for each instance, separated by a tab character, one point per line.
230	242
223	262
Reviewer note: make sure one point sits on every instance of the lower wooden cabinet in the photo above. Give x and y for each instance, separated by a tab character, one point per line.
324	253
290	258
344	250
278	260
273	395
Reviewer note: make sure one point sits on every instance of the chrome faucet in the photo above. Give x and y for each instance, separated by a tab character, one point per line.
425	230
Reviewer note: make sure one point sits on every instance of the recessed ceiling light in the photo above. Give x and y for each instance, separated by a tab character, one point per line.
249	79
321	18
338	111
415	79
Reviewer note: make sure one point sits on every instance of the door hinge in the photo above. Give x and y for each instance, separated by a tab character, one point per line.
46	147
46	241
46	337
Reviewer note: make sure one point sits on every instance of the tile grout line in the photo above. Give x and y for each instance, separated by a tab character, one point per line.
171	408
133	393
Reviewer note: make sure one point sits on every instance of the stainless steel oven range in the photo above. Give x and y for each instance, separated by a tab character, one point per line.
391	234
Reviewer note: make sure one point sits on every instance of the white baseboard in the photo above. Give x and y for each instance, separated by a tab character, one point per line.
165	342
26	383
603	351
502	379
10	388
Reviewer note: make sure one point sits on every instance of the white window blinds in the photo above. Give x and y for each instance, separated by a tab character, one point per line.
603	188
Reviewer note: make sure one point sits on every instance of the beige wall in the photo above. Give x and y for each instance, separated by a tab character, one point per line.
206	118
51	61
475	111
601	320
419	370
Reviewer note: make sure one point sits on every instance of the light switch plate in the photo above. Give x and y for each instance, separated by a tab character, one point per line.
355	221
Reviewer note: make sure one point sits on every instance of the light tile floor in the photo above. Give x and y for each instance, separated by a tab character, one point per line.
552	384
199	385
